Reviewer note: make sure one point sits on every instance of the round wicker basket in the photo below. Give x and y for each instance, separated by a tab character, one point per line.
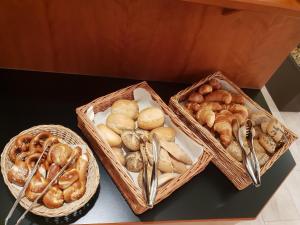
69	137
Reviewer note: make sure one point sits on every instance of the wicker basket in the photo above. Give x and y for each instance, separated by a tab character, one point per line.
71	138
130	191
233	169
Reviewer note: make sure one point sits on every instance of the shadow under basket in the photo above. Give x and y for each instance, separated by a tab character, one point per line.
71	138
132	193
234	170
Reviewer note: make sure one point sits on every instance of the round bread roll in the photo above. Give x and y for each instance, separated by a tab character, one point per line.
119	122
134	162
113	139
164	133
151	118
131	140
118	153
126	107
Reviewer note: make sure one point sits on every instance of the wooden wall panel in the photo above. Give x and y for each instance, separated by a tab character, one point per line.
155	40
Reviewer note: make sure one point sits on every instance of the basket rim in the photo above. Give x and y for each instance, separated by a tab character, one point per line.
207	155
174	100
71	207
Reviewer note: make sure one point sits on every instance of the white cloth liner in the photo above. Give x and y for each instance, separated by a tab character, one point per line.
144	100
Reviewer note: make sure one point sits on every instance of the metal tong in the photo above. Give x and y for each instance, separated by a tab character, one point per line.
21	193
249	158
151	187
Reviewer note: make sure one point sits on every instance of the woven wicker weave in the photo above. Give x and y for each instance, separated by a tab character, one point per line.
130	191
71	138
233	169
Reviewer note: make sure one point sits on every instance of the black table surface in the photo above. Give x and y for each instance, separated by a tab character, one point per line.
33	98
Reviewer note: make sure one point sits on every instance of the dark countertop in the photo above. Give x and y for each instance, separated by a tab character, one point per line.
33	98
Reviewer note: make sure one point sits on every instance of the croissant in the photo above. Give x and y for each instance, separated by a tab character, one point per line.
215	84
219	96
206	116
205	89
237	98
240	112
223	126
196	97
214	106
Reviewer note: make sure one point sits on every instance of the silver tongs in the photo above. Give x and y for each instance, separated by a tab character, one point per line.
249	158
151	187
33	171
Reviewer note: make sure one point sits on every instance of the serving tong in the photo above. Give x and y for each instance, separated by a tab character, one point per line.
249	157
151	187
32	173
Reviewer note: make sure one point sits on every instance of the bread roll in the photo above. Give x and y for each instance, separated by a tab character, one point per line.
176	152
119	122
151	118
131	140
164	133
118	153
235	151
113	139
134	162
126	107
267	142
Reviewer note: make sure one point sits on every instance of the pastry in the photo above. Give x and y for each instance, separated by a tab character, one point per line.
267	142
258	117
165	178
223	127
235	151
193	106
205	89
52	171
118	153
164	163
77	189
119	122
36	186
219	96
164	133
174	150
196	97
275	130
134	162
68	178
215	84
206	116
178	167
131	140
60	153
113	139
23	141
239	112
214	106
126	107
36	144
264	126
54	198
18	173
151	118
237	98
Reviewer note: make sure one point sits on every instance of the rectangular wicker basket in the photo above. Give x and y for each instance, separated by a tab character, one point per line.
233	169
130	191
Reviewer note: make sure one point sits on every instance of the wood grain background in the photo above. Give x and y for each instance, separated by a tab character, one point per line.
145	39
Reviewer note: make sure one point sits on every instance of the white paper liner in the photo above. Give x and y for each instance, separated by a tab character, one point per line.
144	100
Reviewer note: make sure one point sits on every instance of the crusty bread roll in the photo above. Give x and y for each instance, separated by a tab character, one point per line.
151	118
126	107
164	133
113	139
119	122
118	153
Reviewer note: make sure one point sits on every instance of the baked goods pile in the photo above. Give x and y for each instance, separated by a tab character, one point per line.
70	186
129	132
216	108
